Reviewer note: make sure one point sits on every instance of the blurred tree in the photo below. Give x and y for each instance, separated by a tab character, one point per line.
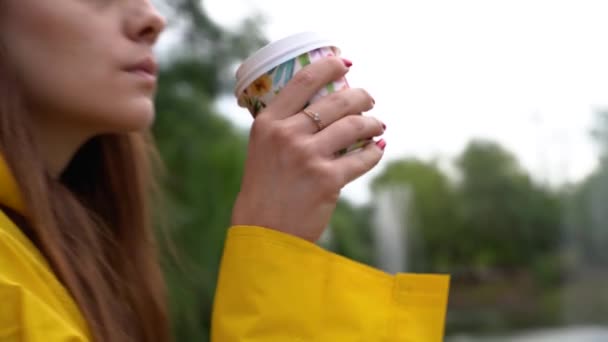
214	49
350	232
495	217
203	154
204	157
508	220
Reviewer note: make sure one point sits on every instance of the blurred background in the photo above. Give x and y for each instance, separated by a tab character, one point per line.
496	169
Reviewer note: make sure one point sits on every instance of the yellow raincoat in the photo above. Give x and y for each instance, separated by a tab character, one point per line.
272	287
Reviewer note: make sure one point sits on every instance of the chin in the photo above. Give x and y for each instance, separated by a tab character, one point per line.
135	118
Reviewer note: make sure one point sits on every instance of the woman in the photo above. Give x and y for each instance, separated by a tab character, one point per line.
77	257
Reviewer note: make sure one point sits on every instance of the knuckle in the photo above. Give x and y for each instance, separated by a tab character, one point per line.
304	78
280	134
336	64
302	150
365	101
260	122
259	127
293	146
341	99
328	180
355	123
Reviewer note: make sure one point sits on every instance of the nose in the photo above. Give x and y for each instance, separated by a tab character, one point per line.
145	23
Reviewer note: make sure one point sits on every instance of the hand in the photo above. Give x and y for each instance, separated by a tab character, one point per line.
292	177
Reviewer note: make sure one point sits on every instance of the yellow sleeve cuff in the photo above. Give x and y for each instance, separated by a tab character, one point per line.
276	287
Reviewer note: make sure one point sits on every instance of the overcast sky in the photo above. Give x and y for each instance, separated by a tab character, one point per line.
528	74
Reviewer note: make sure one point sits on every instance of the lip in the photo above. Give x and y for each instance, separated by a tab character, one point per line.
146	67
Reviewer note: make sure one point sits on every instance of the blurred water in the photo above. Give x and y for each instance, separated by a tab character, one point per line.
572	334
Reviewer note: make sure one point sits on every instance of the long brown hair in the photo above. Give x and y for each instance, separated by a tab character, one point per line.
92	224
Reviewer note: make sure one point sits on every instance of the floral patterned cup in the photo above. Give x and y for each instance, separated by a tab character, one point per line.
262	76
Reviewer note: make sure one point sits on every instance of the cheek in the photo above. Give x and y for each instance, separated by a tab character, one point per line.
67	70
100	101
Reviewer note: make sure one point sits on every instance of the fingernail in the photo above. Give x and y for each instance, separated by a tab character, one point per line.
381	144
373	101
347	62
384	126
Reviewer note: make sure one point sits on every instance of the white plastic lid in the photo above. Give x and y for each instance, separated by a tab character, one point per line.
275	54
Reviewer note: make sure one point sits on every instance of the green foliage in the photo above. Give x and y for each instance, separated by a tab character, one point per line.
215	49
496	230
511	219
351	232
204	156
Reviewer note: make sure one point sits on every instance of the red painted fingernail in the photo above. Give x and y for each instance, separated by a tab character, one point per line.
347	62
381	144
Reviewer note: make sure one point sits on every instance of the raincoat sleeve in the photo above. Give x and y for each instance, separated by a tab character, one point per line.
275	287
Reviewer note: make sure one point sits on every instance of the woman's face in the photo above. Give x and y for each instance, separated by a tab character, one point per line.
87	64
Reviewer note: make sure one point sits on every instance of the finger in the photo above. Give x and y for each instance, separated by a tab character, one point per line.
346	132
304	85
357	163
332	108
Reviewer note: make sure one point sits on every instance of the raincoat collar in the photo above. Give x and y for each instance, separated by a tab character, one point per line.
10	196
